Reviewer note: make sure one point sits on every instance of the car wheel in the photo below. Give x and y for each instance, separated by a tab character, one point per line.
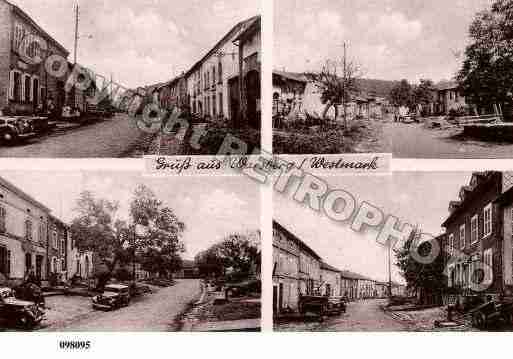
9	137
25	322
478	320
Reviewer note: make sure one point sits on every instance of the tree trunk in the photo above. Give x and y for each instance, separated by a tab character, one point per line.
326	109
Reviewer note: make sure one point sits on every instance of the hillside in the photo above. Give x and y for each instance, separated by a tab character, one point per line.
380	88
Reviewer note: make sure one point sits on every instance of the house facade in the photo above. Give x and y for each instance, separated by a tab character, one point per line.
349	284
296	270
23	234
26	84
330	280
224	83
57	249
447	97
173	94
478	231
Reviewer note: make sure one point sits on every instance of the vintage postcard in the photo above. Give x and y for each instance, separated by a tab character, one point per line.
128	78
421	80
116	251
360	259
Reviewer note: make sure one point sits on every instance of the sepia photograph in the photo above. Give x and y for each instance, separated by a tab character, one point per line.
117	79
394	260
118	251
420	80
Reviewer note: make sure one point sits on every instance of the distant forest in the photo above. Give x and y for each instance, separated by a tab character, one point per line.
380	88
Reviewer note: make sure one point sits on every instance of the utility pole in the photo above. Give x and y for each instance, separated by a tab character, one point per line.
76	34
344	87
389	269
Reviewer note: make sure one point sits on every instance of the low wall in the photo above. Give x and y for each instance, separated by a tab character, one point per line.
502	132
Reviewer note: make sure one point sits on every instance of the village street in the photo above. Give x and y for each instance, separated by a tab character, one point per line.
416	141
364	315
114	137
152	312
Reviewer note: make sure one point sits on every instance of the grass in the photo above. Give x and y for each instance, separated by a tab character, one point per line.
360	136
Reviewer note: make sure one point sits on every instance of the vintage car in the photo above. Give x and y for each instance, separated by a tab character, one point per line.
113	296
492	313
13	129
21	313
321	305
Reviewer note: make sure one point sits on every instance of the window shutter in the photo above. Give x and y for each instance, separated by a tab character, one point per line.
8	266
22	95
11	85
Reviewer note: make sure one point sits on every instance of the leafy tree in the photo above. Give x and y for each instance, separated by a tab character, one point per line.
423	93
158	240
95	229
402	94
337	83
236	251
428	280
153	235
486	76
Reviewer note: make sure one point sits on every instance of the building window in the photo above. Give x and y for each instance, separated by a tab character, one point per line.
3	215
214	102
28	229
42	233
213	76
5	262
487	220
27	88
221	104
462	236
451	244
488	261
474	229
16	86
220	72
55	242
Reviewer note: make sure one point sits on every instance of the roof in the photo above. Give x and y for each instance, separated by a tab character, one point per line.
24	195
446	85
116	286
352	275
458	205
250	27
24	15
300	243
294	76
326	266
237	29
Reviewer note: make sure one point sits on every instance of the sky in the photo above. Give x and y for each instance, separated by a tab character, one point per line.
142	42
402	195
389	39
210	207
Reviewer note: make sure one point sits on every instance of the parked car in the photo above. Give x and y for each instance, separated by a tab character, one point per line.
30	292
321	305
21	313
13	129
113	296
492	312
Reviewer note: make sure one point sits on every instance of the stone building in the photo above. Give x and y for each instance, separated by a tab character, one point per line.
330	280
57	248
296	270
24	45
225	83
478	231
23	233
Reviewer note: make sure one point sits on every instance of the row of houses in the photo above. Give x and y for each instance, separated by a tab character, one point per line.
224	84
294	96
26	85
33	240
479	230
298	270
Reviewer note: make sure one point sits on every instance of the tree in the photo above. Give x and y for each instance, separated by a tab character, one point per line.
158	240
402	95
337	82
423	94
237	251
486	76
428	280
153	234
95	229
